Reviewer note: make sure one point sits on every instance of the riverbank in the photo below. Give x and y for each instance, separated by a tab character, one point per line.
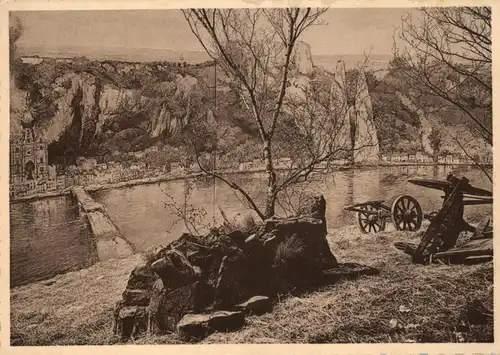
167	178
404	303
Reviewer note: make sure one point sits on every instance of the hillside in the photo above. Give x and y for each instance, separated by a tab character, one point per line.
92	108
107	108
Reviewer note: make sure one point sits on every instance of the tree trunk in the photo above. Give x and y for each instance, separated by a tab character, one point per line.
352	132
435	156
271	181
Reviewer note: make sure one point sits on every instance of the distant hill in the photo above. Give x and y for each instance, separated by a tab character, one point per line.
377	62
117	54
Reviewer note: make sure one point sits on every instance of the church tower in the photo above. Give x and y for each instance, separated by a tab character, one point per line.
29	158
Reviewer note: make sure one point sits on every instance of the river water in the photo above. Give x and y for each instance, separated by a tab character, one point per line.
48	237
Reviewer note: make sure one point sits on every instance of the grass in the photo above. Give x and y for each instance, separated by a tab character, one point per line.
404	303
71	309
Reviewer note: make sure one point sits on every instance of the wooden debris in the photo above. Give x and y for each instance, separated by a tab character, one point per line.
478	247
481	229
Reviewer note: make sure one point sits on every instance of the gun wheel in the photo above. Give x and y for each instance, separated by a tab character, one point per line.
370	221
406	213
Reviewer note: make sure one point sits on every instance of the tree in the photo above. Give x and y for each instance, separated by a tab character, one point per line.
446	53
254	49
15	31
435	139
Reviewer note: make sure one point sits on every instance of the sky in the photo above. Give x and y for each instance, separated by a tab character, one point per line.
346	31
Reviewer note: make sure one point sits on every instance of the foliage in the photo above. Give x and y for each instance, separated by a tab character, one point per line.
394	122
289	252
445	59
436	140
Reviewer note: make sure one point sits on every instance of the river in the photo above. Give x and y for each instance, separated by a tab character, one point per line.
48	236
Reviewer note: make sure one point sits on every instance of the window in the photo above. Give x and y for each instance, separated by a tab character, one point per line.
41	160
41	169
41	147
28	152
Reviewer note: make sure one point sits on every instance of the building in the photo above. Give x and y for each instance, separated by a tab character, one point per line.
428	159
28	158
60	182
254	165
322	166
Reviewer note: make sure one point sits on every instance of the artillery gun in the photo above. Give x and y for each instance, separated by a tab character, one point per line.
440	238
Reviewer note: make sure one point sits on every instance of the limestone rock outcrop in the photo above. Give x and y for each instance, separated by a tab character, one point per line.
366	145
103	106
426	127
302	58
355	102
200	284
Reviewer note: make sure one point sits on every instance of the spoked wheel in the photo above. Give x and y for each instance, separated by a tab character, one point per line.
370	221
406	213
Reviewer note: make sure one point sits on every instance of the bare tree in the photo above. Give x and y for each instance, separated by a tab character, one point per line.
446	53
15	31
324	113
255	49
193	218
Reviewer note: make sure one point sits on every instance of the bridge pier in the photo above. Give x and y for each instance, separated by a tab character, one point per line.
110	242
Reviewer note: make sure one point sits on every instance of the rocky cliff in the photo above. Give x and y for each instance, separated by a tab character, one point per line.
104	107
302	58
89	108
426	127
366	142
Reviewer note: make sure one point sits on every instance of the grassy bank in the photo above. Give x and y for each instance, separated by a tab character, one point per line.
404	303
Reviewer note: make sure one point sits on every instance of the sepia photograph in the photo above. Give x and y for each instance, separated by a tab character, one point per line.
259	175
